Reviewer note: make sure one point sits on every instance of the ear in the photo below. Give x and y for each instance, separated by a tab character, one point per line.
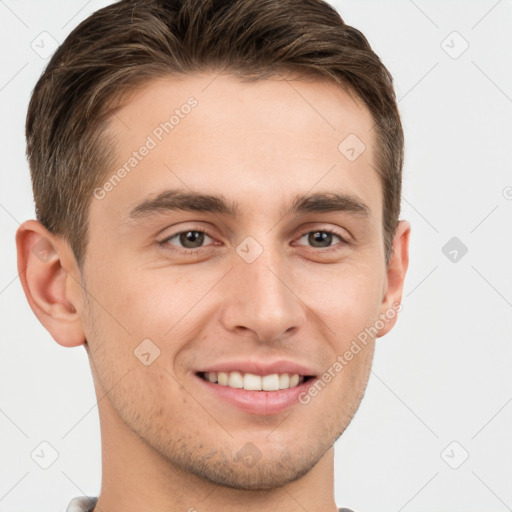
51	281
396	270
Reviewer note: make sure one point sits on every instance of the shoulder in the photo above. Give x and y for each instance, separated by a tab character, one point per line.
82	504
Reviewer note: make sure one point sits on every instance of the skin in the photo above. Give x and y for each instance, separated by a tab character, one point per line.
167	445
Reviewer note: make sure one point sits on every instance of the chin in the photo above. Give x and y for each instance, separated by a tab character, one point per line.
262	476
276	465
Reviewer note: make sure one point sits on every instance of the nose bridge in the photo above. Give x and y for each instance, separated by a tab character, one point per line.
265	279
262	298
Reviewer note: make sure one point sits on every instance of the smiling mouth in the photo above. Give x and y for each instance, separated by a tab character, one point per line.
252	382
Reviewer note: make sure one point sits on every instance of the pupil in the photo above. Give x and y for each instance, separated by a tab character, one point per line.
192	237
324	237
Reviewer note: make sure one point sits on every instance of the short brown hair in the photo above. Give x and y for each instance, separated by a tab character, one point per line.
126	44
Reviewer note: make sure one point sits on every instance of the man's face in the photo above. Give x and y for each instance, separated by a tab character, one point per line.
267	285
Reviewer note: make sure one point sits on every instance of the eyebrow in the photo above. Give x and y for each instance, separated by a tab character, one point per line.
177	200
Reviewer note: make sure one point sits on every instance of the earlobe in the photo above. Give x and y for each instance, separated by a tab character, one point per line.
49	289
396	270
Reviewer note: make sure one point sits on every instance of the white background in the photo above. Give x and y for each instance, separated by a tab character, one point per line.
442	375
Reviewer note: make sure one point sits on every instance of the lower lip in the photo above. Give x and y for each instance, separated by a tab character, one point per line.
259	402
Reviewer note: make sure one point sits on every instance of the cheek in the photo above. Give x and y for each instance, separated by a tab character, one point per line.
150	315
141	303
347	298
131	357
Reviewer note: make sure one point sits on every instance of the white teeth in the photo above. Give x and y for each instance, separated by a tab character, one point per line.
252	382
270	382
284	381
235	380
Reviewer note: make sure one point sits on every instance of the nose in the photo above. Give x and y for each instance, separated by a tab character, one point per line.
262	298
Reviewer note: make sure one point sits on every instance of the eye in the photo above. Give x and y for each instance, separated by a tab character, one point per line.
190	239
322	238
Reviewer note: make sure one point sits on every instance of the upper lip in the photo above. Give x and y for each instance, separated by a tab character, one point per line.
260	367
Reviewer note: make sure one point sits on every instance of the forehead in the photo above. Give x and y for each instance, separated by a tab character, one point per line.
260	140
224	103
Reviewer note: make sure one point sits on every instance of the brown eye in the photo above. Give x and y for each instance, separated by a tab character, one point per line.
321	239
190	239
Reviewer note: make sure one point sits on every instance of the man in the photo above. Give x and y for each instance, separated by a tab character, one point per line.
217	190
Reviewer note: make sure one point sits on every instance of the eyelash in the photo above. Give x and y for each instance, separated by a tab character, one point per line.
165	242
